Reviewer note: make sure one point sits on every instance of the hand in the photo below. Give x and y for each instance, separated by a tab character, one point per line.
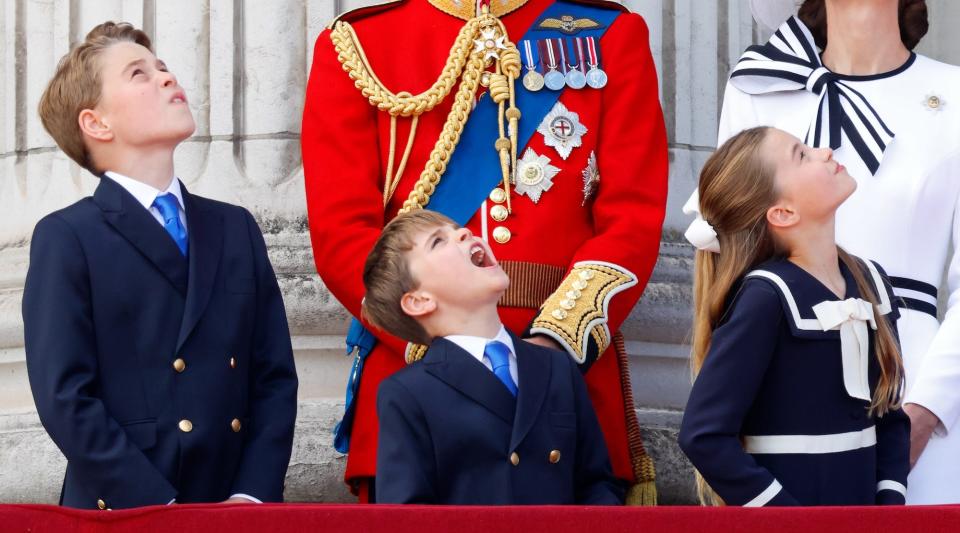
236	499
546	342
922	424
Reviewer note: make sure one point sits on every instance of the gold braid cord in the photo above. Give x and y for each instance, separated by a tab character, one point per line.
468	59
481	43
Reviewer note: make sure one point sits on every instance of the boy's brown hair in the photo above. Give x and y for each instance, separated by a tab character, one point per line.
76	85
387	276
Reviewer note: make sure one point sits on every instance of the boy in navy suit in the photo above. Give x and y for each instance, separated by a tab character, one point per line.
156	339
484	417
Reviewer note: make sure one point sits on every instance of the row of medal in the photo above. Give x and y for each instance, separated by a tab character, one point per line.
562	62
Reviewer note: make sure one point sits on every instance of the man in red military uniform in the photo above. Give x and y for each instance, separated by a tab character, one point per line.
577	223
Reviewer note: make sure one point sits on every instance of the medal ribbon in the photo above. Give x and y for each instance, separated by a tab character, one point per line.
563	55
551	57
528	51
592	50
581	64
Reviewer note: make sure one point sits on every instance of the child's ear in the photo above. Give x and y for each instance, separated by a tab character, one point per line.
93	125
418	303
782	216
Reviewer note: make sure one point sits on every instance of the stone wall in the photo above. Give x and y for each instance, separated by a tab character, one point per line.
244	64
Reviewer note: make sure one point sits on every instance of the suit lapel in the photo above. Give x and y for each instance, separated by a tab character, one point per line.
533	374
138	227
460	370
205	231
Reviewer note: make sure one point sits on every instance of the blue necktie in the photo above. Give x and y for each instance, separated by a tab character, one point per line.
170	211
499	355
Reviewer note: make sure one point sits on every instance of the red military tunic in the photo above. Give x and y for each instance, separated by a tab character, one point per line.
345	154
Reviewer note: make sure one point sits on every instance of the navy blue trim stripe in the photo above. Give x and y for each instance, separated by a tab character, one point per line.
913	285
916	305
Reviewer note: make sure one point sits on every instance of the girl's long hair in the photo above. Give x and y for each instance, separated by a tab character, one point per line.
737	187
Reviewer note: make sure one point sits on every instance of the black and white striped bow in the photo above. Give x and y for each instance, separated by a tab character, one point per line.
789	62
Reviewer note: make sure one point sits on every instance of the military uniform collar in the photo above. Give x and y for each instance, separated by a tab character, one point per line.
467	9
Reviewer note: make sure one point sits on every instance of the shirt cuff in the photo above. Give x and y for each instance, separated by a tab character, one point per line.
246	497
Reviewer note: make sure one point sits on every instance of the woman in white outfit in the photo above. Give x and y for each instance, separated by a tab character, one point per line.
893	119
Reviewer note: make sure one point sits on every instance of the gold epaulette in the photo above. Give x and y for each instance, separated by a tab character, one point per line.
466	10
575	315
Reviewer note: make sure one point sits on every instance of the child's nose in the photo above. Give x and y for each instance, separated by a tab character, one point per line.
168	79
464	234
825	153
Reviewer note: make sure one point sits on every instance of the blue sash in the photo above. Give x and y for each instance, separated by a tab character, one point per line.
474	171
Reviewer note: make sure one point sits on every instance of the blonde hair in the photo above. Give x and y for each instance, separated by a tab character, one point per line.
737	187
76	85
387	276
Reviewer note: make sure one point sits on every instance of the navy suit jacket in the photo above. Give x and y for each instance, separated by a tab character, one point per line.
451	433
111	309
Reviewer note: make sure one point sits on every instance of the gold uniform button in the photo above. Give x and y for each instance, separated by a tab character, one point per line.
514	459
559	314
573	294
568	304
587	275
498	213
498	196
235	425
185	426
579	284
101	505
233	363
179	365
555	456
501	234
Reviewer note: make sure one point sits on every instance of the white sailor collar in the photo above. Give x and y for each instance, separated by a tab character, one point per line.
800	292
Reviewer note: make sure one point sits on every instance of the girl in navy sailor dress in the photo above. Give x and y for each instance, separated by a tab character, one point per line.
798	383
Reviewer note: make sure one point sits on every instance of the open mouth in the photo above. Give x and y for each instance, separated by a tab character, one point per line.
480	258
178	98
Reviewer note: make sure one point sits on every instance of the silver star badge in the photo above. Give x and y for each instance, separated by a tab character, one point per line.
591	178
534	175
562	130
489	44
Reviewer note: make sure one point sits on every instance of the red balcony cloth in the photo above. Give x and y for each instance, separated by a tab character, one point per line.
280	518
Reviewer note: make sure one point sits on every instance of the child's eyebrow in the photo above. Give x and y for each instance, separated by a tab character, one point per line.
161	64
132	64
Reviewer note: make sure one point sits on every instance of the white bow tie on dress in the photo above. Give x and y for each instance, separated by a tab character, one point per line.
789	62
851	317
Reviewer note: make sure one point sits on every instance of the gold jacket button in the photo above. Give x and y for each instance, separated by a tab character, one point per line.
233	363
235	425
555	456
185	426
498	196
498	213
179	365
501	234
102	505
558	314
514	459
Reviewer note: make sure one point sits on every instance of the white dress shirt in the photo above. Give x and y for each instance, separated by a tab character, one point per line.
146	194
475	346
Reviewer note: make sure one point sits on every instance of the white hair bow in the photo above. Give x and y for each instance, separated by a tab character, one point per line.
700	233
